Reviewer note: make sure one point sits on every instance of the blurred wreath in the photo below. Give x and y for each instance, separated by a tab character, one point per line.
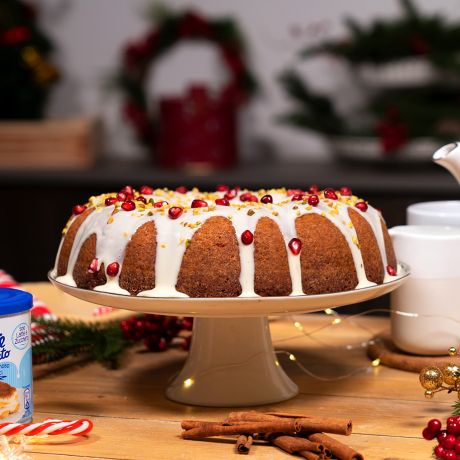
167	29
26	75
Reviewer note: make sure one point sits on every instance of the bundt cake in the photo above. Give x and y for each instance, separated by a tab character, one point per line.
227	243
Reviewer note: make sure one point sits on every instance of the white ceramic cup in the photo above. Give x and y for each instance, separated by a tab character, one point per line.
434	213
425	316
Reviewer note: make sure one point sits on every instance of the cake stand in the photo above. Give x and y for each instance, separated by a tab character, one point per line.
231	360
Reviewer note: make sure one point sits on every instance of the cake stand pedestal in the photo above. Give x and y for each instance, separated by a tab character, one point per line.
231	360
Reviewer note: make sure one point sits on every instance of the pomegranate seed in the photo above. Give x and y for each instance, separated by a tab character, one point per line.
297	197
313	200
110	201
128	190
267	199
295	245
391	270
128	206
222	202
247	237
112	269
362	206
248	197
330	193
121	196
78	209
181	189
93	266
294	191
313	189
222	188
231	194
141	198
345	191
160	204
146	190
199	204
175	212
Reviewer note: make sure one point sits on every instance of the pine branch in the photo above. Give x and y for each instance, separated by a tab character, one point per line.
456	407
61	338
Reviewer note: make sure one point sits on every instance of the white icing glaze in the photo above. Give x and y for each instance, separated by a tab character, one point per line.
114	230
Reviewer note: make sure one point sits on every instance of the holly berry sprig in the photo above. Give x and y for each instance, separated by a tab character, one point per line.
448	447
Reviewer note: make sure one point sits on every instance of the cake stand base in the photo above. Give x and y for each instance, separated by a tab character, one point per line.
231	363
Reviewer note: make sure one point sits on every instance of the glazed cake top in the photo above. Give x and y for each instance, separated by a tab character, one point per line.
178	214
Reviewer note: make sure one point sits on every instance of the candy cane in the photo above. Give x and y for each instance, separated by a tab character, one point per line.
51	427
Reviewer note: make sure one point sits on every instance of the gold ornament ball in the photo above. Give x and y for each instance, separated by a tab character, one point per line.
428	394
450	373
452	351
431	378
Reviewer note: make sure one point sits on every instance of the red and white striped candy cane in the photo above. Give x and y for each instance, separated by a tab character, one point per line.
51	427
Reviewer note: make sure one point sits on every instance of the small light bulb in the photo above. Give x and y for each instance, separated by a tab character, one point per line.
188	383
336	321
292	357
376	362
298	325
277	363
329	311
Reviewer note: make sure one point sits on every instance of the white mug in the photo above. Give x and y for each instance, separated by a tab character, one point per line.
434	213
425	316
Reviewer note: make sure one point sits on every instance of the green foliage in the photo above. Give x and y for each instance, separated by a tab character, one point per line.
386	40
456	407
61	338
312	111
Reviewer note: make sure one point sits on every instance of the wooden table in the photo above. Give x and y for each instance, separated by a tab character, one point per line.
133	420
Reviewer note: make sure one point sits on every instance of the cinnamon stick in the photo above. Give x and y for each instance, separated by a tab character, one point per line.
338	449
243	443
208	429
296	445
312	424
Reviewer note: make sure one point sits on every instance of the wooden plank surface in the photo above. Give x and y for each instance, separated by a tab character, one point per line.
133	420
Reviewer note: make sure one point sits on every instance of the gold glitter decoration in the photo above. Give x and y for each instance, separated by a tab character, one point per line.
431	378
429	394
450	373
452	351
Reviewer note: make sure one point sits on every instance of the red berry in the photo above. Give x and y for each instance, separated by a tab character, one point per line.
199	204
110	201
449	442
453	428
146	190
175	212
247	237
362	206
330	193
222	188
294	191
93	266
181	189
121	196
313	189
78	209
457	446
295	245
451	420
297	197
449	455
231	194
434	425
112	269
345	191
441	436
222	202
439	451
428	434
266	199
160	204
391	270
128	206
248	197
313	200
141	198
